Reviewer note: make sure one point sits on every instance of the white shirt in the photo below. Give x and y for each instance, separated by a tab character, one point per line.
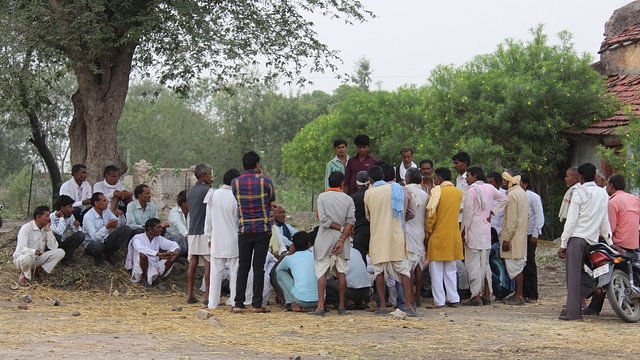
31	238
178	223
403	170
496	220
77	193
586	218
221	222
415	227
107	189
461	183
140	244
536	222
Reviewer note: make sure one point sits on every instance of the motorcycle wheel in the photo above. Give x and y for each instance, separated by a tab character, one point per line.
628	310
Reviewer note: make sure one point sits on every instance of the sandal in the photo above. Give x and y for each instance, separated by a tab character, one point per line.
262	310
235	310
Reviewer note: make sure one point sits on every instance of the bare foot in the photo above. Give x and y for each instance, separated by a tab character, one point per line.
41	274
22	279
295	307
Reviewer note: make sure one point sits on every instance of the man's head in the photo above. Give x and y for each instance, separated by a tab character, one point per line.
494	178
111	174
461	162
413	176
336	179
182	198
143	193
389	172
153	227
375	173
280	214
99	201
251	161
601	178
426	168
65	205
363	143
203	173
525	181
474	174
572	177
442	175
362	179
41	216
513	172
230	175
587	171
407	156
340	147
300	240
79	173
616	182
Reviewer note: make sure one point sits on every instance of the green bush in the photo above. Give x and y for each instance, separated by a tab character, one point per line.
15	193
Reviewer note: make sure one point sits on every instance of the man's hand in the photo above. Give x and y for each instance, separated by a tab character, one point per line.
618	249
561	253
76	223
506	245
38	252
165	224
118	213
534	241
112	224
338	248
174	255
59	214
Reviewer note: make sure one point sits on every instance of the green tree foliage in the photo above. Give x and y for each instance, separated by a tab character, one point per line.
362	74
625	160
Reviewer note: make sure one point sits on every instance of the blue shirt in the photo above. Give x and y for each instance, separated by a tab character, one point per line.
93	225
136	216
303	271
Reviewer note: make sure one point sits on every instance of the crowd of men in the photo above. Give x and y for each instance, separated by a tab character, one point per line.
383	233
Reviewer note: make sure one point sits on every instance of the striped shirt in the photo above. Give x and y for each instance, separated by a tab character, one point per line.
254	193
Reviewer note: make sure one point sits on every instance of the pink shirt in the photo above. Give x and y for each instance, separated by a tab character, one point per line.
474	219
624	217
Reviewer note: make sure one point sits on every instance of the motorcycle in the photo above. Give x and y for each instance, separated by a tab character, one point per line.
619	275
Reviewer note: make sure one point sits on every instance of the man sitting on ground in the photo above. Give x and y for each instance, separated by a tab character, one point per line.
78	189
358	284
141	210
66	228
179	223
36	248
117	196
285	229
300	287
148	264
104	232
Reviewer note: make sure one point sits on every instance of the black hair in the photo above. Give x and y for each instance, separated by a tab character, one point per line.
413	175
495	176
362	140
76	168
462	157
230	175
300	240
444	173
405	149
151	223
618	182
250	160
426	161
95	197
526	179
63	200
335	178
139	190
477	172
182	197
389	172
588	171
338	142
109	169
40	210
375	173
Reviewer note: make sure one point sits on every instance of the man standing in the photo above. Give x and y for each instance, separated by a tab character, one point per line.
415	230
197	240
514	232
255	198
461	161
178	229
444	242
426	168
572	179
338	163
600	179
534	230
407	163
78	189
221	228
66	228
36	248
111	187
482	201
337	217
287	231
361	229
104	232
586	219
384	207
141	210
147	263
361	162
624	217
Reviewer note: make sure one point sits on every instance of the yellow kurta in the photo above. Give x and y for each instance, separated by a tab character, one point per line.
515	224
387	238
445	241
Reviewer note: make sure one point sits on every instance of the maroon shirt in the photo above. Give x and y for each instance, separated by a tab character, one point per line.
354	166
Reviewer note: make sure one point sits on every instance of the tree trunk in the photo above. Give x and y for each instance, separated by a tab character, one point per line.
98	104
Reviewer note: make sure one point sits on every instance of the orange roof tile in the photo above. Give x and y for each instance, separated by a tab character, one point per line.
628	36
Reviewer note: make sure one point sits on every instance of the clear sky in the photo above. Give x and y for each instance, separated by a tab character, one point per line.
409	38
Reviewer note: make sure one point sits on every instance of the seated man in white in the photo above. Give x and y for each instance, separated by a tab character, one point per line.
116	194
148	264
300	288
179	223
78	189
359	283
287	231
36	248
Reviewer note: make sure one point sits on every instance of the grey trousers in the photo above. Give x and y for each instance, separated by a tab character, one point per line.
573	263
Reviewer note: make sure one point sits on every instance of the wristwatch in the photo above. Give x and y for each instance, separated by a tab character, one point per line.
342	229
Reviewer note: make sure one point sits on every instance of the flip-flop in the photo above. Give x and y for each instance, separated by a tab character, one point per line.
263	310
233	311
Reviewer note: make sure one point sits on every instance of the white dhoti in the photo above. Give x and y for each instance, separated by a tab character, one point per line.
156	267
218	273
515	266
332	264
478	270
48	260
393	269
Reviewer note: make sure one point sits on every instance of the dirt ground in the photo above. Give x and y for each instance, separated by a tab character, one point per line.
136	324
